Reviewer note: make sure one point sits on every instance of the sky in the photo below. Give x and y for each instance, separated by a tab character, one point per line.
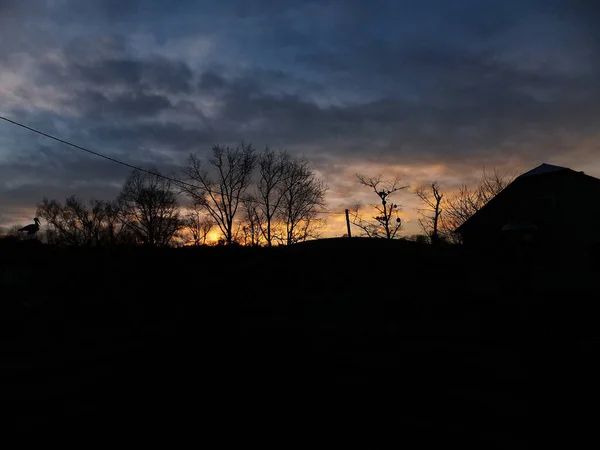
424	89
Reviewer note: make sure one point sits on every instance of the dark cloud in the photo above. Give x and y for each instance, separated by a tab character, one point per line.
96	105
211	81
160	74
92	48
7	5
58	171
105	82
466	82
116	8
172	136
17	6
57	174
477	105
156	74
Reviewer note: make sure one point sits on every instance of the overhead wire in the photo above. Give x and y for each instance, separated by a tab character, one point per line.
123	163
79	147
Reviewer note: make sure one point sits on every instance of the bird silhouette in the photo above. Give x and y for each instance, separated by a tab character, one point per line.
32	228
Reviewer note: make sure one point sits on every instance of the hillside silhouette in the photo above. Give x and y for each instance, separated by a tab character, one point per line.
434	342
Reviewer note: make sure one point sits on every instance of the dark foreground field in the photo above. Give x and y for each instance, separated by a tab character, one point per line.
401	344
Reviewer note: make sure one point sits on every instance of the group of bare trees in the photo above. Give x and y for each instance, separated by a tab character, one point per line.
280	204
252	198
78	223
145	212
439	215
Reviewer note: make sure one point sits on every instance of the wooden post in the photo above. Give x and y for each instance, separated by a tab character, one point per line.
348	224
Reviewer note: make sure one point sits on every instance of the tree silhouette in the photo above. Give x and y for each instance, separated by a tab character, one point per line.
115	231
430	215
75	223
252	232
11	234
148	207
272	170
302	198
220	193
198	225
387	222
465	202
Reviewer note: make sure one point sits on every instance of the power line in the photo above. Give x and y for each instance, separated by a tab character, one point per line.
131	166
79	147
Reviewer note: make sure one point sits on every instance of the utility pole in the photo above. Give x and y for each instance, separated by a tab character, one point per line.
348	224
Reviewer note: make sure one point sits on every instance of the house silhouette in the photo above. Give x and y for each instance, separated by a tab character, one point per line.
549	206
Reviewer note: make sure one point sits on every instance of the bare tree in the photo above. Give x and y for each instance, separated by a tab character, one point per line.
198	225
492	184
302	199
90	220
458	209
465	202
387	223
11	233
419	238
148	206
252	226
115	230
272	169
76	223
63	226
430	215
220	193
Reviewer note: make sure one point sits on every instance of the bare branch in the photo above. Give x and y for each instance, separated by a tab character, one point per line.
198	225
147	205
430	216
387	221
459	207
302	198
221	196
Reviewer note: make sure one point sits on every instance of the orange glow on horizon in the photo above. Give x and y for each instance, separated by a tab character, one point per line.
213	236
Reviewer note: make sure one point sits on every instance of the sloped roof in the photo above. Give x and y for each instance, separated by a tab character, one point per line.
544	169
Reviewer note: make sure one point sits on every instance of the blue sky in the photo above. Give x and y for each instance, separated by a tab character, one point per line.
427	89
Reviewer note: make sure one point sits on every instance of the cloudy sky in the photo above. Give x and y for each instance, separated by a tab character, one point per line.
427	89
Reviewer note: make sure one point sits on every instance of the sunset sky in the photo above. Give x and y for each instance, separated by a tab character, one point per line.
427	89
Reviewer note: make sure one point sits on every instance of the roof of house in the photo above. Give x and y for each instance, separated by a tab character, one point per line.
542	169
